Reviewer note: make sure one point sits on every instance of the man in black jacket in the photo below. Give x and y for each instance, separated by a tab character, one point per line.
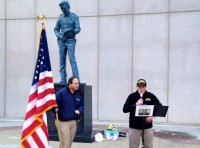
140	125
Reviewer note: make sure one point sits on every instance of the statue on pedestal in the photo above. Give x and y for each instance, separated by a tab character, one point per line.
66	28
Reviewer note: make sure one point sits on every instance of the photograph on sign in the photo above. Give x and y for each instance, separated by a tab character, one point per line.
144	110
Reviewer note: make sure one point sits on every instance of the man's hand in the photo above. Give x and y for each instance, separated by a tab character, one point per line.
139	102
56	109
149	120
77	112
60	37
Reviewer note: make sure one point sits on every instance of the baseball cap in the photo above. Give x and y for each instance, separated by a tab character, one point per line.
141	82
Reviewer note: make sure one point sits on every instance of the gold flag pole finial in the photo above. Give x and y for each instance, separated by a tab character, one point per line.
41	19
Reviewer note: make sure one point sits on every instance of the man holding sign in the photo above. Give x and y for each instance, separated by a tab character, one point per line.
140	125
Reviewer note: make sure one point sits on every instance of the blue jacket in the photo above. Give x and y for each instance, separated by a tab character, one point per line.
67	104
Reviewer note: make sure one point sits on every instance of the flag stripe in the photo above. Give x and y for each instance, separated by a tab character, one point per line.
29	131
33	89
37	139
50	91
29	119
41	108
26	144
31	109
31	140
41	82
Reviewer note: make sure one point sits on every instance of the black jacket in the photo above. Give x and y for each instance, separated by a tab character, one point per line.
129	106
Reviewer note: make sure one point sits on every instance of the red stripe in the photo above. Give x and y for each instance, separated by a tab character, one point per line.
32	96
40	83
45	93
26	144
35	112
30	113
45	106
44	128
40	109
45	80
40	96
37	140
30	128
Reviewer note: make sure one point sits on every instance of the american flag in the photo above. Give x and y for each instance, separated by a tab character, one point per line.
41	99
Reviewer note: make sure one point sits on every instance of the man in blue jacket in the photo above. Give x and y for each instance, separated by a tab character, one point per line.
69	108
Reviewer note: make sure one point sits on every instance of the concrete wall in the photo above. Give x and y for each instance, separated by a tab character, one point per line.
120	42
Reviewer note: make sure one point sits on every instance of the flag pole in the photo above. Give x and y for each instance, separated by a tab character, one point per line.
58	128
41	19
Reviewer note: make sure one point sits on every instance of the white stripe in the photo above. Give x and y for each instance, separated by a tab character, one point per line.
45	74
39	89
33	88
41	76
44	116
42	137
41	133
31	105
44	87
28	122
31	142
45	99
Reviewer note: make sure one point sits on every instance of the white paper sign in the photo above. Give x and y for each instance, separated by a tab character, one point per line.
144	110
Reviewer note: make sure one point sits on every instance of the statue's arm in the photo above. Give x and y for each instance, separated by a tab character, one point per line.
77	27
57	29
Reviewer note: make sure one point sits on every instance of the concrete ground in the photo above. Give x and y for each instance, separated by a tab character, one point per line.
165	136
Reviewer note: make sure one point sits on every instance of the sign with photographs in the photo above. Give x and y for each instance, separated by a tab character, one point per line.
144	110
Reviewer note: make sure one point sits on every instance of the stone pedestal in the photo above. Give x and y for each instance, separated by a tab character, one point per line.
84	129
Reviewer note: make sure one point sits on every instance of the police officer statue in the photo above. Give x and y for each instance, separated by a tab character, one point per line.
66	28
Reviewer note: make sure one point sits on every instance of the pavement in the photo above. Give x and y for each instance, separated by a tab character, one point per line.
165	136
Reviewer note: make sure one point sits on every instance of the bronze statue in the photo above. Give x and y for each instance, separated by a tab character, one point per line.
66	28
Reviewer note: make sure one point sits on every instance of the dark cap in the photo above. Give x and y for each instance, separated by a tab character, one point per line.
141	82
